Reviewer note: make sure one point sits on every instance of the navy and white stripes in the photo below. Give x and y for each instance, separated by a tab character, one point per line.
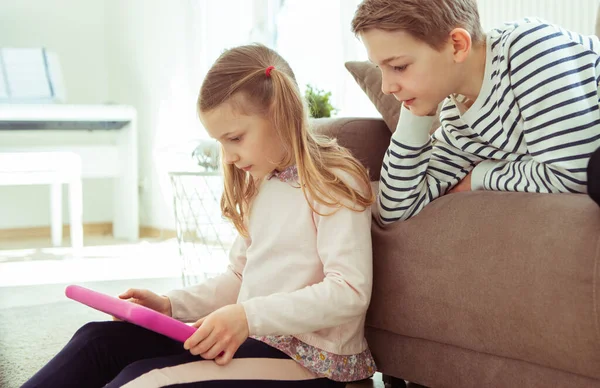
532	128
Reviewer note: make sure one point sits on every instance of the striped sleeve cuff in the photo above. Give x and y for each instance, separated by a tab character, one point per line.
479	173
412	130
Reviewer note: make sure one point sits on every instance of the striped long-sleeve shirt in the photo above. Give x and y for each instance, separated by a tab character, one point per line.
532	127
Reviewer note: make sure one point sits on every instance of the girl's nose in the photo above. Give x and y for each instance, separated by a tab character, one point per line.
230	157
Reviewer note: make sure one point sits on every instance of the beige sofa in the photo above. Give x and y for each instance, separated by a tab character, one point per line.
483	289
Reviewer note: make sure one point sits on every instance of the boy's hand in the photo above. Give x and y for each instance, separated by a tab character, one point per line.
147	298
219	334
462	186
432	113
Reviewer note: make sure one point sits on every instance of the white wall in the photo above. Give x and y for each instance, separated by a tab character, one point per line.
75	30
129	52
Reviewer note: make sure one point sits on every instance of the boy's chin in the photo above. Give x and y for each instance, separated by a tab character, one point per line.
422	110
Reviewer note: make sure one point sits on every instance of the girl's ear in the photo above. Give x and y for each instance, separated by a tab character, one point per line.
461	44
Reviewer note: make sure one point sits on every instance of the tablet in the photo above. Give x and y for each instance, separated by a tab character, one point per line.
131	312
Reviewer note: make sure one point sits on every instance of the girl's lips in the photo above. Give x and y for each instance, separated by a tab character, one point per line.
247	168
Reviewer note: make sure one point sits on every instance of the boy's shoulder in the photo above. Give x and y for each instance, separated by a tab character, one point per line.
520	24
525	33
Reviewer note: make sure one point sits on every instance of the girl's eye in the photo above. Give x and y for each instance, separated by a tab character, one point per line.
236	139
400	68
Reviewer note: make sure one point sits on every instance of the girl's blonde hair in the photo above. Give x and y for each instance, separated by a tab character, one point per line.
241	73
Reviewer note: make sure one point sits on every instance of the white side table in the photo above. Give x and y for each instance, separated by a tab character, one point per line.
204	237
54	169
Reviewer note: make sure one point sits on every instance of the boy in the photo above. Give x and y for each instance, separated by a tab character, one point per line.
520	104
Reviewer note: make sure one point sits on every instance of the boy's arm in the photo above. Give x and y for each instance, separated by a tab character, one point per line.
416	171
194	302
555	86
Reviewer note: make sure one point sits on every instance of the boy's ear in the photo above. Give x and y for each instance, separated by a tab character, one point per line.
461	42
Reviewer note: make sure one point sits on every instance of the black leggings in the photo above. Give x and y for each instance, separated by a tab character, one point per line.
593	176
112	354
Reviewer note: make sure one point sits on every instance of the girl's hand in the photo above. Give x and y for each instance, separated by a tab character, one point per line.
147	298
219	334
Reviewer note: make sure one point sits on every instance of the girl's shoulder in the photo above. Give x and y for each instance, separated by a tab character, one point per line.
344	190
352	180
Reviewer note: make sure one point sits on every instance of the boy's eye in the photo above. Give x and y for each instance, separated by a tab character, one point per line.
400	68
235	139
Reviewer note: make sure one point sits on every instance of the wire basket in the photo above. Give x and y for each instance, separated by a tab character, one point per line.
204	237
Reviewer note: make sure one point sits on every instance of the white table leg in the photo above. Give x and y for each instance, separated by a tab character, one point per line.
56	213
76	213
126	223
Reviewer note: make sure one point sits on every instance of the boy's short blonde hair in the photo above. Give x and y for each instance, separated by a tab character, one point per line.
429	21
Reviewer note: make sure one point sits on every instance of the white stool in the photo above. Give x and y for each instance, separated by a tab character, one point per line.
54	169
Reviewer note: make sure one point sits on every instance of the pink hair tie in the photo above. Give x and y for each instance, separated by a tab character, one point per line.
268	71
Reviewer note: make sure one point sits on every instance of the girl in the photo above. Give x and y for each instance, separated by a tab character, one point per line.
290	310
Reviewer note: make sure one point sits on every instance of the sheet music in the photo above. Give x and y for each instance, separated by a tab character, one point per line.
27	73
3	81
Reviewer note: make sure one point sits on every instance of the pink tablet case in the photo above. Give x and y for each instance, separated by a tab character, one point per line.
131	312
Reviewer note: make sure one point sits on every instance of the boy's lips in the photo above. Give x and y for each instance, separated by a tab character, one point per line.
408	102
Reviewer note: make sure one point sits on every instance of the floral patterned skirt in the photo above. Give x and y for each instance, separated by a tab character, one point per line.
324	364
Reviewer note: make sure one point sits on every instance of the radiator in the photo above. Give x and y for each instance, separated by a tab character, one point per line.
575	15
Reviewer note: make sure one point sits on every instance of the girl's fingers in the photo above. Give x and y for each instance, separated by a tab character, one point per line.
127	294
225	357
134	293
199	336
198	323
204	345
213	352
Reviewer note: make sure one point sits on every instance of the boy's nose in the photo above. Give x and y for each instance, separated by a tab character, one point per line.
389	86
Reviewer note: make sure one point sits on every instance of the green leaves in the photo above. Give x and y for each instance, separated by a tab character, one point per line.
318	102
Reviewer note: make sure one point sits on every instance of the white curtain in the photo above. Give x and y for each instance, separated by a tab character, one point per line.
314	37
181	52
208	28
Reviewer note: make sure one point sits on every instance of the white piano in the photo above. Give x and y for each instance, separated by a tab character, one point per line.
104	136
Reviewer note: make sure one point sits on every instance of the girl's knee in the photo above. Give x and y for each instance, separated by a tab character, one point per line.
93	330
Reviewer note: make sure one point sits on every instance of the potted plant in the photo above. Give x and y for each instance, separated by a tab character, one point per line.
318	102
207	155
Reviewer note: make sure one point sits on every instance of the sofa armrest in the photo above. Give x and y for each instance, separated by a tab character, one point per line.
366	138
510	274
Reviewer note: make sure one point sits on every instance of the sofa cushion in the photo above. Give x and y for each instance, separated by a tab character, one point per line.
368	77
366	138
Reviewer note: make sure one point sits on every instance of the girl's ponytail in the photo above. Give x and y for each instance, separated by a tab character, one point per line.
265	84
